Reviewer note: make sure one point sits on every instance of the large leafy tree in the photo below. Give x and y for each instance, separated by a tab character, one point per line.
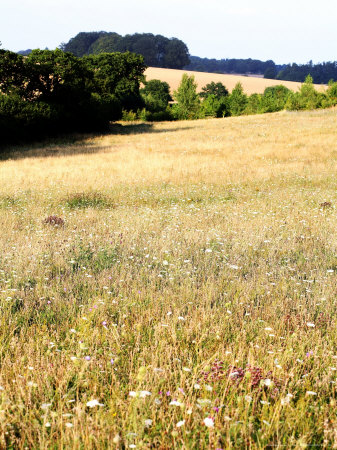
156	95
118	74
216	89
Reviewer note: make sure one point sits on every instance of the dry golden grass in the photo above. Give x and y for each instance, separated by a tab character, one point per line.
188	251
251	85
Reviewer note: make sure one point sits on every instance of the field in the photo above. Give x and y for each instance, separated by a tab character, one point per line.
189	298
251	85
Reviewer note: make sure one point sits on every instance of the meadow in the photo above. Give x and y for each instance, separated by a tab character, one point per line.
186	296
251	85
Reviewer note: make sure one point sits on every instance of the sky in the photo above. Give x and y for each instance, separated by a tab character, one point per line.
284	31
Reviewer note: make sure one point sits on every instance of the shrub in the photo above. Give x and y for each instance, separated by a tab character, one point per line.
129	116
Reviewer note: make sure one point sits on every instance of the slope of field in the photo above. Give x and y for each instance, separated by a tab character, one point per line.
251	85
189	298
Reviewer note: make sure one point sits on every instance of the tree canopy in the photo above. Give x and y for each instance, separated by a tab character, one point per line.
52	91
157	50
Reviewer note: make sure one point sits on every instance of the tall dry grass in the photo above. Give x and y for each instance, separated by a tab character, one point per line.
188	300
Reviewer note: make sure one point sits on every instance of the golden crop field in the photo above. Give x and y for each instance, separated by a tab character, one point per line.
187	296
251	85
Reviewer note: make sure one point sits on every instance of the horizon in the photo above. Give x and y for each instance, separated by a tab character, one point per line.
233	32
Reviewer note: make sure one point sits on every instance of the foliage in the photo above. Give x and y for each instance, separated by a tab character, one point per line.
118	74
188	102
216	89
274	98
240	66
306	98
157	50
237	101
156	95
271	72
321	73
254	104
80	44
213	106
48	92
332	92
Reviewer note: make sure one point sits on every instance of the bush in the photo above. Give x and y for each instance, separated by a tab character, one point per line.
129	116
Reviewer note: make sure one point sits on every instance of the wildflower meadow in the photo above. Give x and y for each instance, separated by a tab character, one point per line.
171	285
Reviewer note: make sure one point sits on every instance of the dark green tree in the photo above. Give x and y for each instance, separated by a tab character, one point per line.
216	89
176	54
80	44
271	73
156	95
118	74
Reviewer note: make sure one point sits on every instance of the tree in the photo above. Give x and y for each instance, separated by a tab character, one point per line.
49	92
80	44
212	106
188	102
270	73
216	89
107	43
176	54
237	100
118	74
274	98
332	92
156	95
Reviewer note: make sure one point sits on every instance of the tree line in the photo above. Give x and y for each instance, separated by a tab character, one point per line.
237	66
321	73
157	50
215	100
50	92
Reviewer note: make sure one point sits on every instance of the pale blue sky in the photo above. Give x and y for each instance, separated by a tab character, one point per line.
285	31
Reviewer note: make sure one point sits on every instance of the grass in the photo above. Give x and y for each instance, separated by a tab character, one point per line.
251	85
188	301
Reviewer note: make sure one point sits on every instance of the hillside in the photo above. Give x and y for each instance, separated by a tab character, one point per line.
251	85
